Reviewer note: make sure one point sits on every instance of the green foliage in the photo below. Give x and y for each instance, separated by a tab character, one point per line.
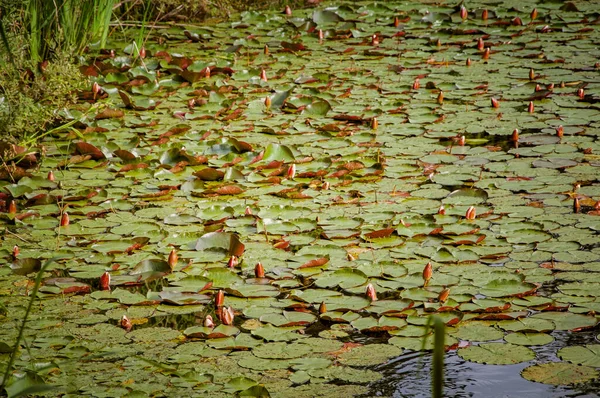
29	101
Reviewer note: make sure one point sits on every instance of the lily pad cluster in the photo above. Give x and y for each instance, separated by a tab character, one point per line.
338	175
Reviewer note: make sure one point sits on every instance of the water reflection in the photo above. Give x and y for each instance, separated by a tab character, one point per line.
409	375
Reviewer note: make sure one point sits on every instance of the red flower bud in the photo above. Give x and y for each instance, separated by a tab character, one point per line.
486	53
287	11
371	294
259	270
322	308
263	75
484	14
105	281
248	211
576	205
440	98
143	52
531	74
64	219
16	251
580	93
471	213
468	62
560	131
233	262
173	258
463	12
515	135
444	295
12	207
416	84
374	123
208	322
126	323
219	298
50	176
480	44
427	272
530	107
495	103
291	171
534	14
442	210
227	316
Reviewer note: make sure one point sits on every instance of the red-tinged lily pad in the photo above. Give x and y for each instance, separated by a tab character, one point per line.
84	148
209	174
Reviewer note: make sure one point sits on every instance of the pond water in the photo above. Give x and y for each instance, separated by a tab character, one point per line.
275	205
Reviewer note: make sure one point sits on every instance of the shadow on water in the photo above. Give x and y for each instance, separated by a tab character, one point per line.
409	375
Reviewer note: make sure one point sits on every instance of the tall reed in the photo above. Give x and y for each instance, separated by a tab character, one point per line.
66	25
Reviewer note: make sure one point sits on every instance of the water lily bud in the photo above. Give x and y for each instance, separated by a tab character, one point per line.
263	75
480	45
96	89
173	258
444	295
51	176
291	171
266	50
416	84
486	53
320	34
143	52
374	123
396	22
206	72
287	11
374	40
268	102
440	98
208	322
12	207
531	74
322	308
576	205
495	103
515	135
516	22
597	205
248	211
16	251
560	131
233	262
191	103
463	12
126	323
219	299
461	140
468	63
530	107
227	316
471	213
533	14
105	281
325	186
484	14
427	272
259	270
64	219
442	210
580	93
550	87
371	294
538	88
562	85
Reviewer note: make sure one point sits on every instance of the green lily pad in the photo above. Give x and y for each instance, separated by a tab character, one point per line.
496	353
